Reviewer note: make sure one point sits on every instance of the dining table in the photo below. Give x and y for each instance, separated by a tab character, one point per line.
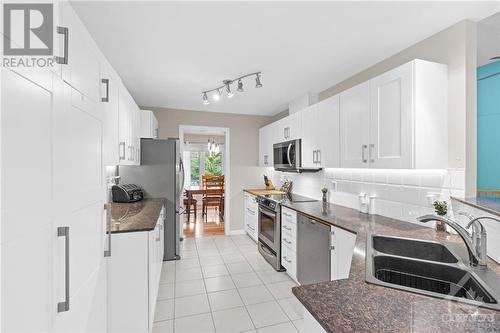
194	190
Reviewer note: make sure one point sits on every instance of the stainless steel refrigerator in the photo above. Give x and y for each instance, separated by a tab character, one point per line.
161	175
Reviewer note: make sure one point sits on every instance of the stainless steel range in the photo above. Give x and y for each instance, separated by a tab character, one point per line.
269	225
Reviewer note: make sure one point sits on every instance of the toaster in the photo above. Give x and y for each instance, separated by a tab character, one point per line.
126	193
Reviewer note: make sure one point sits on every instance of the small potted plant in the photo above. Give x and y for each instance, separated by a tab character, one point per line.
441	209
324	190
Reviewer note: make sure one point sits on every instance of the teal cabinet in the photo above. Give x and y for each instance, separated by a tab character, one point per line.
488	127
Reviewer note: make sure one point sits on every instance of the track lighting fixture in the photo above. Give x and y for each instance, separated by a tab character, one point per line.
226	84
258	84
205	99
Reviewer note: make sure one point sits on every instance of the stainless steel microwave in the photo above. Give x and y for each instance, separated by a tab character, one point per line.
287	157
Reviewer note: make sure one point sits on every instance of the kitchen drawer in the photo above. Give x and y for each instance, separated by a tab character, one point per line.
289	261
289	240
289	227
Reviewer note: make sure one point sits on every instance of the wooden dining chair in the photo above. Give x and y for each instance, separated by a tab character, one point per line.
214	194
191	209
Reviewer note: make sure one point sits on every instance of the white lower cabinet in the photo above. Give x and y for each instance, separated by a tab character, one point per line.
289	241
134	278
342	249
251	215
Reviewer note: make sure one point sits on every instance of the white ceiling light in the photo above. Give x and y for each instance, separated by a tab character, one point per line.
216	95
227	84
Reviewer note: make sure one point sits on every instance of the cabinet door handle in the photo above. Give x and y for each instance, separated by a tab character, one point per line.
121	149
370	152
107	210
286	214
287	228
286	259
332	241
106	82
65	32
318	156
159	234
287	241
363	157
64	232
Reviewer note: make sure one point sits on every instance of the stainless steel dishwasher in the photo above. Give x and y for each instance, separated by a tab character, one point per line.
313	251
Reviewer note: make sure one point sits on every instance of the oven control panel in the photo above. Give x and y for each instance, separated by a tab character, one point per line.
267	202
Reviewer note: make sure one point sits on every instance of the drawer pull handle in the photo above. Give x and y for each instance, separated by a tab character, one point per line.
287	241
287	228
286	259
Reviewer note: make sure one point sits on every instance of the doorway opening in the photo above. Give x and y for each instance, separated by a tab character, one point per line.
206	200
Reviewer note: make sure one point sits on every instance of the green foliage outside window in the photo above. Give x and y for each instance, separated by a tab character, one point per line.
195	168
213	164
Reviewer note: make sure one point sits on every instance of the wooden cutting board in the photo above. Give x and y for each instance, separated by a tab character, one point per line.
263	191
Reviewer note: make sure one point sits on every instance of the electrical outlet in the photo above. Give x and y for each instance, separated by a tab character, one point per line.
333	186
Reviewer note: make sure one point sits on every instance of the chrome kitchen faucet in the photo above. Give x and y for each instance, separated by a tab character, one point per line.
475	242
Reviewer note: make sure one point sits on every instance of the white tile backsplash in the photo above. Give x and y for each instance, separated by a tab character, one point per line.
401	194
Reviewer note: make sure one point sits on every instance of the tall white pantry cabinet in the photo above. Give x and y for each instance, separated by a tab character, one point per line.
53	185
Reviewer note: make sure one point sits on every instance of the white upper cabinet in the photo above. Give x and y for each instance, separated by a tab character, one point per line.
328	155
397	120
109	98
149	125
79	56
267	137
354	126
320	134
390	144
288	128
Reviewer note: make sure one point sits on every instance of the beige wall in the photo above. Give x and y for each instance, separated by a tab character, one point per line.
244	148
456	47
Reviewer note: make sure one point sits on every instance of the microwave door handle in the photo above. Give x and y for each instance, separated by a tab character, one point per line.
288	154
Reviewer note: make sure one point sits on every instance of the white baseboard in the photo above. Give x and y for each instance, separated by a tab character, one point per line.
236	232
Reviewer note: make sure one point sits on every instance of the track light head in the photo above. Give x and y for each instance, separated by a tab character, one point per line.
258	84
240	86
216	95
205	99
227	83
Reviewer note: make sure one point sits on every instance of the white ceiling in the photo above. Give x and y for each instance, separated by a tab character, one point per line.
168	52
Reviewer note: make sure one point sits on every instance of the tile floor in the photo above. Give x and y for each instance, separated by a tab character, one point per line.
222	284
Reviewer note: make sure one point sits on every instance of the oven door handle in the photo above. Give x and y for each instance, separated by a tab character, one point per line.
267	213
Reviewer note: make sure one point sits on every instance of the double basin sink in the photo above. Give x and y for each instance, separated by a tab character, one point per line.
428	268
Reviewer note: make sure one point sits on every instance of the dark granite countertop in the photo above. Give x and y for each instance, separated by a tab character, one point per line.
135	216
353	305
490	205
